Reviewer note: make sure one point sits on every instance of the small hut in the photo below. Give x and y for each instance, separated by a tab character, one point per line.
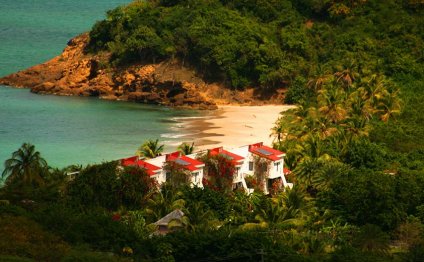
163	223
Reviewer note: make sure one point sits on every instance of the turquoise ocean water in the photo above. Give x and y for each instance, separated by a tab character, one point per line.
68	130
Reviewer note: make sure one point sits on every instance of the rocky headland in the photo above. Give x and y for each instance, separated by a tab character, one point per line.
170	83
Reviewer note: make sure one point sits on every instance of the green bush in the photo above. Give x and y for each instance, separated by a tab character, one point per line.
96	228
22	237
107	186
364	197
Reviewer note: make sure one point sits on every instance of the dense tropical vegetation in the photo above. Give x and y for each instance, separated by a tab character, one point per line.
266	43
354	142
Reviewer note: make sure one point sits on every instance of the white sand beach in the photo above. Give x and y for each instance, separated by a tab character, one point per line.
234	126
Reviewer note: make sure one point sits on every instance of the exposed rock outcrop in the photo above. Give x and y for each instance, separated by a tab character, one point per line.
77	73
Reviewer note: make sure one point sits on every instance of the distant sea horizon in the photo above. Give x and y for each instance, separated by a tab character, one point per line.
69	130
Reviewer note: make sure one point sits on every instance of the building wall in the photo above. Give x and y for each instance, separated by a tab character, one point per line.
159	162
161	176
197	180
274	170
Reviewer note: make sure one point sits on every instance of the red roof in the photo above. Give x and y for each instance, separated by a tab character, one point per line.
236	159
133	161
130	161
265	151
150	169
184	161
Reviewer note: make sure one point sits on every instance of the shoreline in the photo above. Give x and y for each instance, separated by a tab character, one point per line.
233	126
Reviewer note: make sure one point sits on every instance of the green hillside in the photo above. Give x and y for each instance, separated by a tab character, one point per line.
286	43
267	43
354	143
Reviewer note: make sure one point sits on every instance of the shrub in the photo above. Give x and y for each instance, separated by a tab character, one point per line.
22	237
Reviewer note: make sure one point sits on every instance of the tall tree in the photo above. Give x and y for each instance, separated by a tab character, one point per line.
150	149
186	148
26	165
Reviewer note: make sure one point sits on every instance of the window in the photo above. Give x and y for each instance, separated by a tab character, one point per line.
196	174
277	165
250	165
238	175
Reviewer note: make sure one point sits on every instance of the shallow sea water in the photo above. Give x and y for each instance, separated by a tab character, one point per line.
68	130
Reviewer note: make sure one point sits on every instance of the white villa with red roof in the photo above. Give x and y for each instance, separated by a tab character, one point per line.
152	170
238	161
243	159
273	158
154	166
194	166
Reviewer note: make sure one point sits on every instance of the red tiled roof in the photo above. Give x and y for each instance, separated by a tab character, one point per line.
130	161
265	151
150	169
184	161
236	159
133	161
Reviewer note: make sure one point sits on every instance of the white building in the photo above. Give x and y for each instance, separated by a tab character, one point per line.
238	162
190	164
273	161
246	160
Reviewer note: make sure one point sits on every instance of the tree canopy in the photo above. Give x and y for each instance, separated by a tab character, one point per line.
266	43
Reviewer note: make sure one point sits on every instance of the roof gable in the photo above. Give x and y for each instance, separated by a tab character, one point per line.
236	159
129	161
185	162
164	221
134	161
266	152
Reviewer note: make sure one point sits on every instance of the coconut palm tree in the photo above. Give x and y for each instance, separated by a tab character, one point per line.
150	149
196	218
322	76
307	170
346	77
372	239
186	148
390	105
164	202
359	104
26	165
286	209
294	200
330	101
278	130
327	172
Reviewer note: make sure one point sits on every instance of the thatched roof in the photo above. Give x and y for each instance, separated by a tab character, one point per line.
164	221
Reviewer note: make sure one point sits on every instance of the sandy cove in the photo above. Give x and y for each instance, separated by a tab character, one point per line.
233	126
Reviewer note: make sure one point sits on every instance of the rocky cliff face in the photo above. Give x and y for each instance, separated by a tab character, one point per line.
167	83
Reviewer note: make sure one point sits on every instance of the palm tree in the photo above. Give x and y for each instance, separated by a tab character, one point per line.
164	202
307	170
295	202
287	209
346	77
26	165
372	239
330	101
150	149
328	172
278	130
360	105
390	105
196	218
321	78
186	148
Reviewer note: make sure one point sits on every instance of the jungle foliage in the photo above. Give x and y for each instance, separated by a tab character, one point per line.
266	43
354	142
